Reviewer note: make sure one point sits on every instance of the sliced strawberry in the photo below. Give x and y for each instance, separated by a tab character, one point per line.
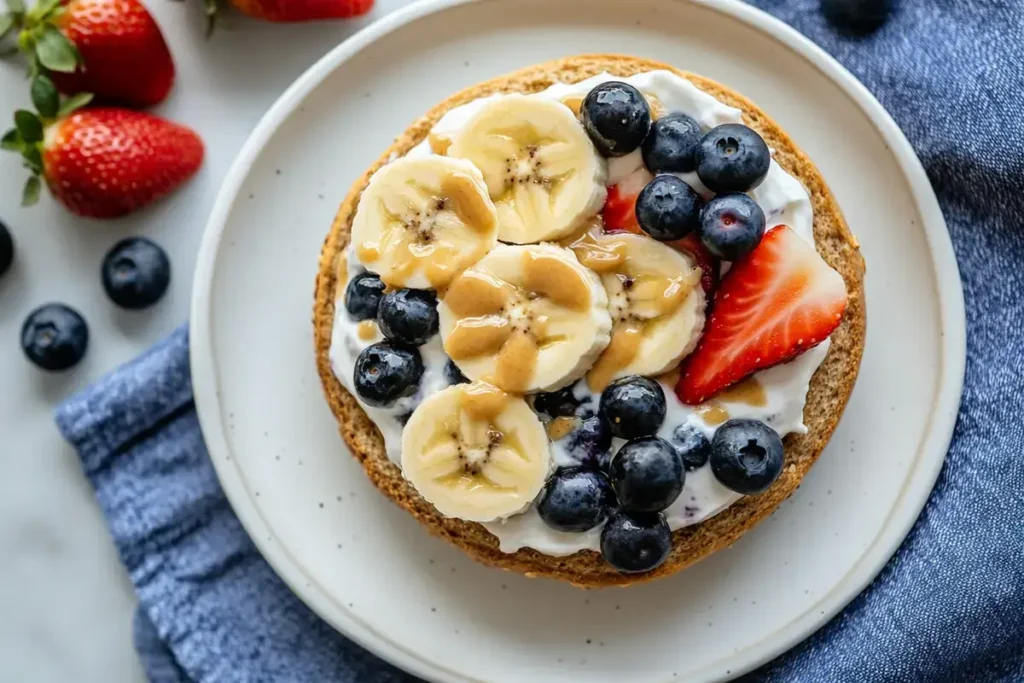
774	304
620	208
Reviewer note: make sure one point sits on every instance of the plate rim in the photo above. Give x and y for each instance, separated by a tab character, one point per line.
912	498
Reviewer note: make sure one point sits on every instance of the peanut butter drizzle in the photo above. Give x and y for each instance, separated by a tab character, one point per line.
516	361
366	330
713	414
624	345
601	256
476	293
466	200
482	401
439	144
653	296
368	252
557	280
561	427
748	392
574	102
479	336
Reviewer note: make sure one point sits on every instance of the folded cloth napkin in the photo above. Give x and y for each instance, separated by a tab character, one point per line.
948	607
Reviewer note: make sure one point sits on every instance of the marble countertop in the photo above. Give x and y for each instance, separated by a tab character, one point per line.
65	602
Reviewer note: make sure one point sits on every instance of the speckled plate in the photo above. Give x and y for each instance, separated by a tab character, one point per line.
364	565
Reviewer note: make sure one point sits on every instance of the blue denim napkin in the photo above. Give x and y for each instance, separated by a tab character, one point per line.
948	607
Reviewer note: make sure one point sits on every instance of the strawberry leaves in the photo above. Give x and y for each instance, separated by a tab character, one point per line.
53	50
45	96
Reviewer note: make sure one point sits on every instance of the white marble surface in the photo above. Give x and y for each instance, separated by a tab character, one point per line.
65	602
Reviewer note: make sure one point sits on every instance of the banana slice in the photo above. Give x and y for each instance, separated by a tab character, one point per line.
525	318
542	171
422	220
475	452
655	300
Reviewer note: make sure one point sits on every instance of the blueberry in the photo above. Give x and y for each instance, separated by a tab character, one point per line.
576	499
136	273
746	455
647	474
453	375
408	316
617	118
692	445
633	407
671	144
55	337
590	443
857	17
732	158
6	249
560	403
668	208
636	542
386	372
731	225
363	295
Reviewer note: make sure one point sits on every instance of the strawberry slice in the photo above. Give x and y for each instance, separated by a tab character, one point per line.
774	304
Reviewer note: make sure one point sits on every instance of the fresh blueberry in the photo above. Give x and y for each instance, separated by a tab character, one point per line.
857	17
671	144
633	407
692	445
363	295
453	375
136	273
590	443
647	474
617	118
732	158
668	208
731	225
576	499
408	316
6	248
55	337
636	542
560	403
386	372
746	455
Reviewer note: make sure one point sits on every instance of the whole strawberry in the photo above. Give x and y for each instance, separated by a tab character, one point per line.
104	162
110	48
296	10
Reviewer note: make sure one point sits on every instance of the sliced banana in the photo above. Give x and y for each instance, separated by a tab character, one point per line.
655	300
542	171
475	452
525	318
421	221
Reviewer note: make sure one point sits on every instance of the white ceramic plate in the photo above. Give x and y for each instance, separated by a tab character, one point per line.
364	565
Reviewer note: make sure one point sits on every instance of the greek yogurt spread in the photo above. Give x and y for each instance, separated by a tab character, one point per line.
776	396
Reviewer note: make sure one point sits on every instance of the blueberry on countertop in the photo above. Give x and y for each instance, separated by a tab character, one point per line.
692	445
590	443
386	372
408	316
6	248
55	337
559	403
576	499
668	208
857	17
363	295
647	474
136	273
636	541
671	144
731	225
732	158
452	374
633	407
746	455
617	118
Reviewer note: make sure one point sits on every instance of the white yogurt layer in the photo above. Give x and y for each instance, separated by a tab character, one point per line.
783	200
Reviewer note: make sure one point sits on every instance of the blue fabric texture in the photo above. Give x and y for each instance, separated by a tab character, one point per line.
948	607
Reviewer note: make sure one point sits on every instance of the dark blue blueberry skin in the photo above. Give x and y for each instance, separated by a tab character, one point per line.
590	443
408	316
647	474
6	249
386	372
732	158
617	118
560	403
55	337
576	499
857	17
668	208
453	375
633	407
746	456
136	273
635	542
731	225
363	295
671	145
693	446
